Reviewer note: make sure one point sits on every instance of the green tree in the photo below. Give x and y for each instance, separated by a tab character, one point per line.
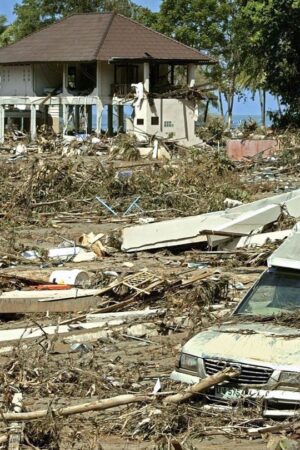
213	26
3	25
274	40
29	17
3	31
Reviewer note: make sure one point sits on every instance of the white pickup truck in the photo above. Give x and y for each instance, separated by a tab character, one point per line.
261	339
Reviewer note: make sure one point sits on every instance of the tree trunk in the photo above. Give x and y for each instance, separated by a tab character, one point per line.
279	105
221	105
262	101
206	111
230	99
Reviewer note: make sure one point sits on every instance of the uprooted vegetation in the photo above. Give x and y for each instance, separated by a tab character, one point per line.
52	185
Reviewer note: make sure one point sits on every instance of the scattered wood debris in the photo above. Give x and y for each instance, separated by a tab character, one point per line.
113	343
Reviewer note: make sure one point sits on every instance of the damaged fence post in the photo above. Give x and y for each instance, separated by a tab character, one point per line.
102	202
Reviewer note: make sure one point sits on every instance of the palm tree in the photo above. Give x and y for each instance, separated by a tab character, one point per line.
252	77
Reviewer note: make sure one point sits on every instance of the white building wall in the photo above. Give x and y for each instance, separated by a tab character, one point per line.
176	120
16	80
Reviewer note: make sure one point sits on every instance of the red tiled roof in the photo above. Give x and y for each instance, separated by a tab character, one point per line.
91	37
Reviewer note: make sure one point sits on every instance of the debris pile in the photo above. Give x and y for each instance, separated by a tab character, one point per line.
41	187
108	266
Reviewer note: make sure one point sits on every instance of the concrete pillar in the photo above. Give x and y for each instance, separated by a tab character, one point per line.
33	122
99	105
121	118
77	118
147	76
65	78
45	115
2	116
99	79
99	110
110	126
65	116
89	111
191	74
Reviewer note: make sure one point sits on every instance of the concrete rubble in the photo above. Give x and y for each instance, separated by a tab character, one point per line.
245	219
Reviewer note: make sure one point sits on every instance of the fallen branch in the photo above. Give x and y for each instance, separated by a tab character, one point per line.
77	409
120	400
202	386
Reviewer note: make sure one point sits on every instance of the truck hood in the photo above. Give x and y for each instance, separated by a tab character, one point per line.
251	342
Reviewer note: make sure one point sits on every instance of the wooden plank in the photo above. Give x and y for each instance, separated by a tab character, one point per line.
200	275
23	306
233	234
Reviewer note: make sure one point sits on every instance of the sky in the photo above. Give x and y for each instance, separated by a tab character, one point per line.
248	107
6	8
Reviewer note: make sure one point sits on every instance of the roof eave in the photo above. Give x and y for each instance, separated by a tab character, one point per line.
178	61
48	61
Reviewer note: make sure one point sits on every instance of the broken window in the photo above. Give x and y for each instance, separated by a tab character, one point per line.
166	77
72	72
82	78
159	77
125	76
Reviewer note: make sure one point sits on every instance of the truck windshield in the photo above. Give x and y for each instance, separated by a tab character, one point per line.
277	292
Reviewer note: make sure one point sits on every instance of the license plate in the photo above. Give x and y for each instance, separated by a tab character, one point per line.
229	393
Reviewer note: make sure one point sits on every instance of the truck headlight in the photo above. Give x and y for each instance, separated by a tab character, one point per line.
188	362
292	378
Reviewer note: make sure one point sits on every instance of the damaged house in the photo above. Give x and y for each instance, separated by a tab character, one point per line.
88	63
